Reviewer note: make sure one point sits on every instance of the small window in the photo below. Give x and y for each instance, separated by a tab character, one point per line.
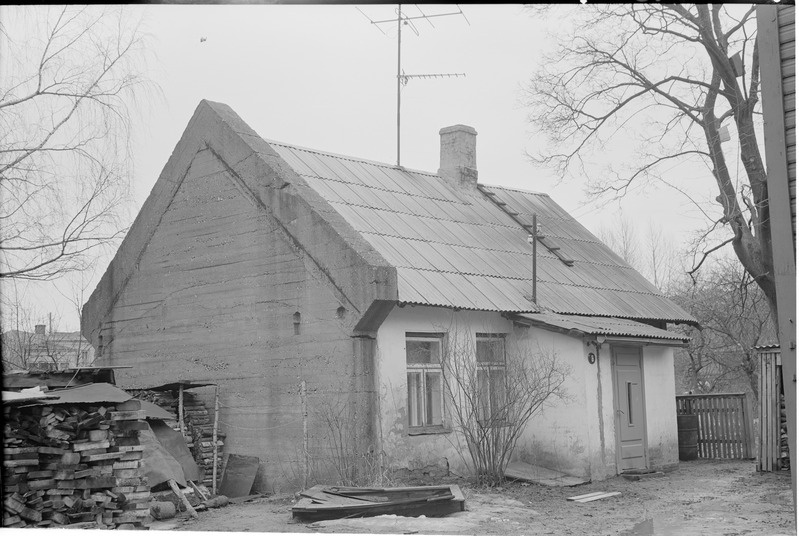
425	380
491	377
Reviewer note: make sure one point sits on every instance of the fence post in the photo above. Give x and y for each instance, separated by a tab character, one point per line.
749	436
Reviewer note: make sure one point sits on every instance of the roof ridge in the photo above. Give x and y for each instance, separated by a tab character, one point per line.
518	190
350	158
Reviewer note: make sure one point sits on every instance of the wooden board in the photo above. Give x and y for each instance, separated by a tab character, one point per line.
239	475
332	502
595	496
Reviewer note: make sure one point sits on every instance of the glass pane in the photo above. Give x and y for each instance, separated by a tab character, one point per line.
433	400
484	405
415	401
629	403
490	350
497	390
423	352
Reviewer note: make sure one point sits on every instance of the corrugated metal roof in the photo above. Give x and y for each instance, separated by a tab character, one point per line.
596	325
455	247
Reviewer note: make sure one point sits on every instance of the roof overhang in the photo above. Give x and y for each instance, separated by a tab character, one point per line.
605	329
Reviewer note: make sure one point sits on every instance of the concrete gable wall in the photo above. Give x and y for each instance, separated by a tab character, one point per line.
311	226
212	298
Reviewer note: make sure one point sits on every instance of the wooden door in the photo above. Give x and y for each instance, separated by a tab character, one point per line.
629	406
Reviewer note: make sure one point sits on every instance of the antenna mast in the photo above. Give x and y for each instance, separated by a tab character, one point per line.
402	78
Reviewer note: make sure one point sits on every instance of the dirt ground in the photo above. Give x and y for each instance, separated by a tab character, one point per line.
713	498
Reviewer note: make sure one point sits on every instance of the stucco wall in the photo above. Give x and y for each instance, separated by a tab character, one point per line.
575	435
565	435
661	412
420	453
213	299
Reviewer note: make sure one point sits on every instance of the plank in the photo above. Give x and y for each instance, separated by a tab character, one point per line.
189	508
91	445
585	496
595	496
127	415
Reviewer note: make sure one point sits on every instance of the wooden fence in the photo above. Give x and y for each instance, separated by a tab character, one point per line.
770	423
725	424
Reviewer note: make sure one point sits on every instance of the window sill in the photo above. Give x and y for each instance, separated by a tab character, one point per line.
428	430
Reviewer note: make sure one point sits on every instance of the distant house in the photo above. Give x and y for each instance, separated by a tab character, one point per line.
319	292
41	351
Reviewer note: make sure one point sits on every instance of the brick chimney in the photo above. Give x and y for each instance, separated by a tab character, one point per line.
40	329
459	155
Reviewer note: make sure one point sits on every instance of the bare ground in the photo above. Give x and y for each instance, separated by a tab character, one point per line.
714	498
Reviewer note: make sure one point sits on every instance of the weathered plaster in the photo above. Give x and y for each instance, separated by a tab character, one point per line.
575	435
661	413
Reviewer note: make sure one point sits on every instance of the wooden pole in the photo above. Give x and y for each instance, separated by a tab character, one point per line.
216	449
303	394
189	508
535	253
180	411
399	75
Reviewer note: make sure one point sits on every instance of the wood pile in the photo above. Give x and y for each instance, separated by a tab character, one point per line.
76	465
198	429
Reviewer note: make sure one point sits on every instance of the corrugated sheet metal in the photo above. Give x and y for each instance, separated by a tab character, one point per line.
594	325
455	247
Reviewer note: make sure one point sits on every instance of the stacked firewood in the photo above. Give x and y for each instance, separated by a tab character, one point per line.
76	465
198	429
785	457
199	425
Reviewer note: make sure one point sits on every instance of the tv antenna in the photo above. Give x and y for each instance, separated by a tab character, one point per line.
402	78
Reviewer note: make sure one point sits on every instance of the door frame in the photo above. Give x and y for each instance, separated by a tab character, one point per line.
616	421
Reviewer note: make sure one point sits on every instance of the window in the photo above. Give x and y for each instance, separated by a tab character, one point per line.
425	379
491	376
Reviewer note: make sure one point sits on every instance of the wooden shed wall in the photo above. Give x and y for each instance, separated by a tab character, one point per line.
214	298
786	23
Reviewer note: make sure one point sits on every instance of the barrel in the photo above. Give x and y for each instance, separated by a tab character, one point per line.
688	436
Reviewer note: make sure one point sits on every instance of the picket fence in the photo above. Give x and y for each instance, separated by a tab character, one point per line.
725	424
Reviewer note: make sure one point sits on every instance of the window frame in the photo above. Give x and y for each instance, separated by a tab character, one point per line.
487	367
423	369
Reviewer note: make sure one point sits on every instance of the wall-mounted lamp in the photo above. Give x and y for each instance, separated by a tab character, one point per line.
591	358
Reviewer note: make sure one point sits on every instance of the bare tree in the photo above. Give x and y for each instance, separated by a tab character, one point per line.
623	240
70	76
653	256
493	391
735	317
675	79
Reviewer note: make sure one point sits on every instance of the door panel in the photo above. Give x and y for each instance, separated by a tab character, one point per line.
629	406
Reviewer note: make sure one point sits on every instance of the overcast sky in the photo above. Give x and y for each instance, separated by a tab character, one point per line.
324	77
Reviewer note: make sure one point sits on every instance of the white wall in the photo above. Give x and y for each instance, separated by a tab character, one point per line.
575	435
661	412
420	452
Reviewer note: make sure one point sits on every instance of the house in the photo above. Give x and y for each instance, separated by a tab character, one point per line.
319	292
41	351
